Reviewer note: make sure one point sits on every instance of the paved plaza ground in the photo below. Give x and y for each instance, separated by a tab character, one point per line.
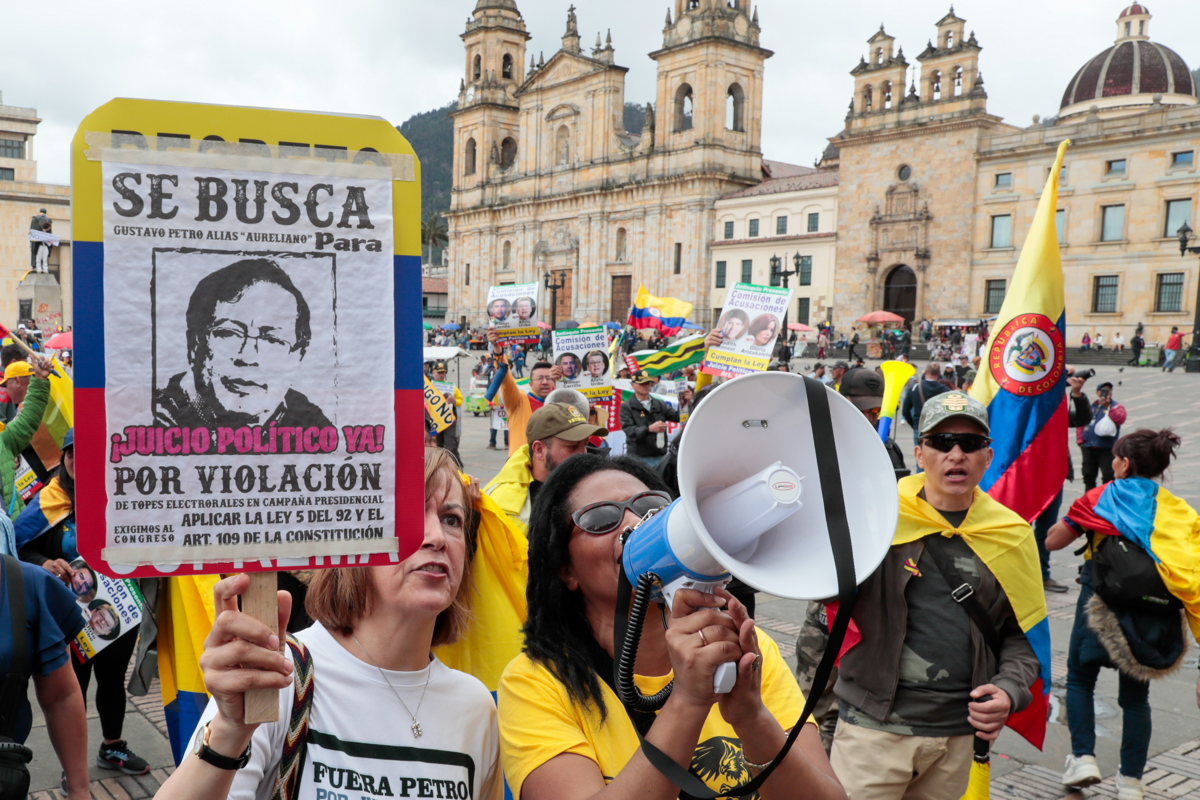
1153	399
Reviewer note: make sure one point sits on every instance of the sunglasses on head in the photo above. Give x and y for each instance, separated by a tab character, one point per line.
605	517
967	442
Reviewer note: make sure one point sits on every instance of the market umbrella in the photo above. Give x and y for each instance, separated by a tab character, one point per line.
452	326
880	316
61	341
566	325
426	326
798	326
613	326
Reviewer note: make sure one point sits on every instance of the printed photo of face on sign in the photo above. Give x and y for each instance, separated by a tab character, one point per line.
244	338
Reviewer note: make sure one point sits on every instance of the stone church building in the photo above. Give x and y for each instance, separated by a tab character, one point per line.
547	180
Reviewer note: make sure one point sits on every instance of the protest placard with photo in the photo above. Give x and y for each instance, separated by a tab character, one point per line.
750	322
512	311
227	421
499	418
111	607
582	355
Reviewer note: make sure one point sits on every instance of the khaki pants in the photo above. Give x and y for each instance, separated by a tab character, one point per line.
874	765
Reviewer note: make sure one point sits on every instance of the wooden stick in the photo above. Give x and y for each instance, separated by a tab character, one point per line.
261	601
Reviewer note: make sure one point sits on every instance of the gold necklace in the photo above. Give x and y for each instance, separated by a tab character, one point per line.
416	726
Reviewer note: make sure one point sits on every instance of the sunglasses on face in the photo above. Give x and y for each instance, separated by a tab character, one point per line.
605	517
967	442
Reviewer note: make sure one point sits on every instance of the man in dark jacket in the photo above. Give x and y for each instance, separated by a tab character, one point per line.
928	387
1097	449
644	420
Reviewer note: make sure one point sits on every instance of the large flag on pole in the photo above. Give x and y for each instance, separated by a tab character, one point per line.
683	353
1024	382
664	314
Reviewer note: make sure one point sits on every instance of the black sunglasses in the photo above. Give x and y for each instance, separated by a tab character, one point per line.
605	517
967	442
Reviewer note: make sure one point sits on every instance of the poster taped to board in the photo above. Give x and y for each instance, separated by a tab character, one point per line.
751	322
226	422
512	311
111	608
582	355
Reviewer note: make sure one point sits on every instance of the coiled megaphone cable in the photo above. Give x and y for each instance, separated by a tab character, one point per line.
627	631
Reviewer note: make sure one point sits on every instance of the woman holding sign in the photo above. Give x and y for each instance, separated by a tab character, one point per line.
385	716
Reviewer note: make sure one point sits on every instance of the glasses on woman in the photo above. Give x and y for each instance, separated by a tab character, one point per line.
605	516
967	442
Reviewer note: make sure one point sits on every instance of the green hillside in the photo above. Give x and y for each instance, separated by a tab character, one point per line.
431	134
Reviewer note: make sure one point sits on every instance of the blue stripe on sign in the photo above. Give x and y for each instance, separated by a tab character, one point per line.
408	336
88	279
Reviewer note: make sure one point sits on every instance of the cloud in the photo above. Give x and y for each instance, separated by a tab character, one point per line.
395	59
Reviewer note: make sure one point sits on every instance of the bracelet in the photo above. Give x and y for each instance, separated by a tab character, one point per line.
752	765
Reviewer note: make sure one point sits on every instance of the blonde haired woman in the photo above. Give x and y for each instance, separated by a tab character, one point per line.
387	718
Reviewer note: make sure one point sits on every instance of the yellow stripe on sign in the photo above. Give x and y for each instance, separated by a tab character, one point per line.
441	412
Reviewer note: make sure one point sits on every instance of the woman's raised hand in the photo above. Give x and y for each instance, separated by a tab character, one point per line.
241	653
700	637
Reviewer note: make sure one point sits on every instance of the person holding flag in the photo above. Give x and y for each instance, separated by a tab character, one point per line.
663	314
519	405
32	395
949	639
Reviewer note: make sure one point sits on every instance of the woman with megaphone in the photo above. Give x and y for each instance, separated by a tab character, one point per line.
565	735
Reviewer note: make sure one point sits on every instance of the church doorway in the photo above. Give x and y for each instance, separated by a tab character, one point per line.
900	292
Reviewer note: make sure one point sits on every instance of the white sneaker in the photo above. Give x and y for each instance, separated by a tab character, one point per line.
1129	788
1082	771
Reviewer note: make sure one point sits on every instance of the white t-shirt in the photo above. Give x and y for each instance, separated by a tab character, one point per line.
360	744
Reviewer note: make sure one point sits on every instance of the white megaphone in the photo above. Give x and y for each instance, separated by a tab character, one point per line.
751	503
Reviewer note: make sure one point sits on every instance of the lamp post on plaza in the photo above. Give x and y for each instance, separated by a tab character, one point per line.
1193	359
778	272
559	282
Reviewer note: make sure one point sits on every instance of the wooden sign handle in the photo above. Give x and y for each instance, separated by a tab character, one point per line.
261	601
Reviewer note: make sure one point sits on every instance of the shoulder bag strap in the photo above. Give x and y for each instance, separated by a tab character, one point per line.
15	683
295	744
962	593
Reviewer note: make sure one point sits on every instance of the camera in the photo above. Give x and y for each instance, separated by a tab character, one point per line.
1085	373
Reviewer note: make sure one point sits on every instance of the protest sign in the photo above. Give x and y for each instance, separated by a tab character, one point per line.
512	311
223	271
751	322
499	418
582	355
440	410
111	607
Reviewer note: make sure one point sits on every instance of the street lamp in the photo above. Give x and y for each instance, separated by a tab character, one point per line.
560	282
1193	359
778	272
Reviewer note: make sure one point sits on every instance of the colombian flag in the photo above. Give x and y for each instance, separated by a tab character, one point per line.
683	353
58	418
664	314
1024	381
46	509
1160	523
185	617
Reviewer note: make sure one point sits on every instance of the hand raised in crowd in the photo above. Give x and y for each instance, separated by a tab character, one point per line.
493	336
59	569
41	366
241	653
700	637
989	717
744	703
713	339
556	373
1076	385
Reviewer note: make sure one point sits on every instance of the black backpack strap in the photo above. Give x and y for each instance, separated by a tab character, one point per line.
962	593
829	471
15	683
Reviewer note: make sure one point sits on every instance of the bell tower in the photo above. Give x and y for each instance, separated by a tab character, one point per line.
710	82
486	122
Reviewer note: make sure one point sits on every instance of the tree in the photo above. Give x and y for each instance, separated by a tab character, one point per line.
433	233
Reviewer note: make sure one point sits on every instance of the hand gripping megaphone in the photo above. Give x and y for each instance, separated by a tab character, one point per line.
758	466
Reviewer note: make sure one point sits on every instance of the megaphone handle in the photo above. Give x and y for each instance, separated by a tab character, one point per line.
726	675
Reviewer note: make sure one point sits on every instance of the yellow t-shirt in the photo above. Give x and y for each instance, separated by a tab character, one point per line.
539	721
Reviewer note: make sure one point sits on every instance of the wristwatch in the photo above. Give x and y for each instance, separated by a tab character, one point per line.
205	753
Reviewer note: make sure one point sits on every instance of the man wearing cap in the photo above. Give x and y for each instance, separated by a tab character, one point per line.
837	371
519	405
924	680
864	388
644	420
28	385
818	373
448	439
555	432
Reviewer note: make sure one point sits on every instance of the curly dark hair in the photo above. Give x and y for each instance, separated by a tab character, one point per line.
557	632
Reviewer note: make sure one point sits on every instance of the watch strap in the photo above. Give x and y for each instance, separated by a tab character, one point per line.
207	754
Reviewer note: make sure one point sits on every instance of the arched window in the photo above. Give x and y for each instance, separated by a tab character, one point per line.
478	70
949	39
735	108
469	158
683	108
900	292
958	78
508	153
935	85
506	68
562	145
879	55
868	99
620	254
886	91
506	256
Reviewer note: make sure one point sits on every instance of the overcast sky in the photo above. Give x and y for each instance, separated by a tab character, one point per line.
394	58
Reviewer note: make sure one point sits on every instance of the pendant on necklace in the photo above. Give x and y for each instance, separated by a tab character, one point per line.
416	729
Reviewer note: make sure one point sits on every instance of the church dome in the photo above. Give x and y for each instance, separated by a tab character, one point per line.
1130	73
507	5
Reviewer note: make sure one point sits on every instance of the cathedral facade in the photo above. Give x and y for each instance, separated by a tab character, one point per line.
547	181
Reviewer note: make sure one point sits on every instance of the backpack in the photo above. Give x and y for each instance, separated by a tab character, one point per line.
1125	576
